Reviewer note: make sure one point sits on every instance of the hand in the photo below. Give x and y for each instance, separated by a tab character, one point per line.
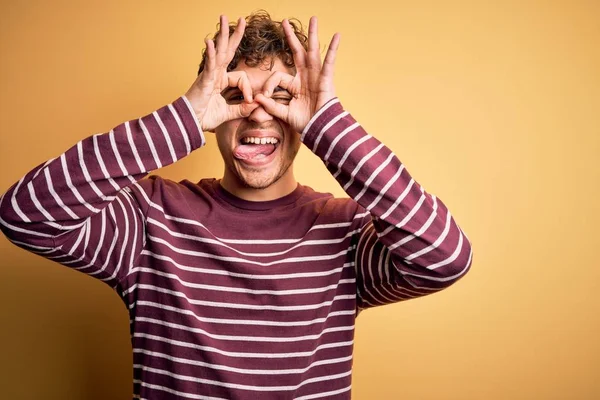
205	94
311	87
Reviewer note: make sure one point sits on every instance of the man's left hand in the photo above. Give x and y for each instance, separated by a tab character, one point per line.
311	87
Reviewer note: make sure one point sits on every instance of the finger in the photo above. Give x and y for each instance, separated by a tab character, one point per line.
236	38
281	79
223	36
272	107
329	63
240	80
314	51
209	65
298	51
242	110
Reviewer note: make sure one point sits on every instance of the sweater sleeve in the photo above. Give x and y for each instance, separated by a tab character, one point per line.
409	244
77	208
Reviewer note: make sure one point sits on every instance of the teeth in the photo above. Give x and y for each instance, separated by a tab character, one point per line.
255	140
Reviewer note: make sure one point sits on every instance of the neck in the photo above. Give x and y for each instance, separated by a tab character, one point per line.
284	186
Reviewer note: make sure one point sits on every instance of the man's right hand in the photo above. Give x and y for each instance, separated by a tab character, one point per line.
205	94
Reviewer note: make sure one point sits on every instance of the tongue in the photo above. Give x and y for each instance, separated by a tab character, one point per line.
247	151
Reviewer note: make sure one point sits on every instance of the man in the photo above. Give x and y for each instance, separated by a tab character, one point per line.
248	286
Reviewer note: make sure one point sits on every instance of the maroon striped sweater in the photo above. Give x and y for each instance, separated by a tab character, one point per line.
231	299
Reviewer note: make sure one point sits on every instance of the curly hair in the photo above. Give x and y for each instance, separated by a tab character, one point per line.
263	39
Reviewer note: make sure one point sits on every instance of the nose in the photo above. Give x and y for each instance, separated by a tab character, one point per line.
260	115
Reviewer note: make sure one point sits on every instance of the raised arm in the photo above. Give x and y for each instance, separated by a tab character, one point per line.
78	208
409	245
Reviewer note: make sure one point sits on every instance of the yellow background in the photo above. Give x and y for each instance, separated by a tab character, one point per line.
493	106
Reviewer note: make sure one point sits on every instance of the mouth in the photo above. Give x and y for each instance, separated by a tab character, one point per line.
257	148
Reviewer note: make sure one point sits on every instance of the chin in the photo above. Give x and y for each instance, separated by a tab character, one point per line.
259	179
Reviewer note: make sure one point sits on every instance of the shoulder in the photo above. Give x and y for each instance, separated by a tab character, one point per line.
333	208
161	191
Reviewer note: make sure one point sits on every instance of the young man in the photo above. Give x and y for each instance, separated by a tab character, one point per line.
248	286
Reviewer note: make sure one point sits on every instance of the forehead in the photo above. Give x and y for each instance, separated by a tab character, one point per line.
259	74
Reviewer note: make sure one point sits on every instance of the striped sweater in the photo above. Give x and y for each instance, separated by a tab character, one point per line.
231	299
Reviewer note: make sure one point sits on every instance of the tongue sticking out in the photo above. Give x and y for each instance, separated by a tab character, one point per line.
248	151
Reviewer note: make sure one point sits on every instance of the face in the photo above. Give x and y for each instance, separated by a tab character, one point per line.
257	150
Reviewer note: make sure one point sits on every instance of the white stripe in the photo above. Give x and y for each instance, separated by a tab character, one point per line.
438	241
15	205
241	241
87	176
193	113
100	243
402	196
323	394
113	144
173	391
360	164
338	138
328	303
107	256
241	354
267	339
386	187
229	289
50	249
79	238
17	229
326	128
13	199
243	260
245	276
317	115
451	258
315	242
67	227
56	197
218	367
225	321
135	232
439	279
37	203
367	184
166	135
188	148
348	151
74	190
134	151
423	229
383	270
150	144
125	236
85	245
101	162
234	385
379	259
365	266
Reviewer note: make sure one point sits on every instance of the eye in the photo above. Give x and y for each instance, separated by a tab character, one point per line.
235	98
283	99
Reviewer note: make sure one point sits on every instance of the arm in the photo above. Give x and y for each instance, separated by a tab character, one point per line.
78	208
73	209
409	244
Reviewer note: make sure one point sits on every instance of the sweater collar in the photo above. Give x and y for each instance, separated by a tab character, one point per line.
237	202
